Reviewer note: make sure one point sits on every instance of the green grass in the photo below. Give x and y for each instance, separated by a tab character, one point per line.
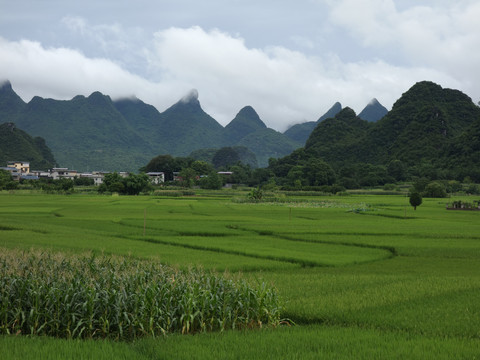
300	342
363	276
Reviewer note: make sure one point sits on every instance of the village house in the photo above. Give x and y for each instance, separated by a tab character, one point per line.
156	177
65	173
13	171
21	170
96	176
22	166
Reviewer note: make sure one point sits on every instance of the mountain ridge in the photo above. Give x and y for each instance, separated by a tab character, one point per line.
373	112
95	132
424	125
301	132
16	144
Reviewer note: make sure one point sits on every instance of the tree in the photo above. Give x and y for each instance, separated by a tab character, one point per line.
435	190
260	176
134	184
295	176
166	164
188	176
420	184
83	181
241	173
5	179
201	167
213	181
397	170
131	185
317	172
224	157
112	182
415	200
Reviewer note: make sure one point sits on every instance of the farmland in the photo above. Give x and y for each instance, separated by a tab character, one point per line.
361	276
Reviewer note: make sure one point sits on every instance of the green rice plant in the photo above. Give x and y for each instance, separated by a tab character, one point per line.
122	298
298	342
422	302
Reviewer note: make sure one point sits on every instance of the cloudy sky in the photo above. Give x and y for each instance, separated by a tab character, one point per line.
289	59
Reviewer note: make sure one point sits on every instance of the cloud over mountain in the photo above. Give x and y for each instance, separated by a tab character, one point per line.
376	48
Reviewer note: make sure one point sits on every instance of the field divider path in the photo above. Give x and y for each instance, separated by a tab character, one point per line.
301	256
231	252
390	249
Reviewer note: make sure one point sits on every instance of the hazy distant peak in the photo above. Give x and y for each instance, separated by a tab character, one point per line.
373	112
334	110
5	85
191	96
130	98
249	112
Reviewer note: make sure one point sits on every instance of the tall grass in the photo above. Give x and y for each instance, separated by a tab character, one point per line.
122	298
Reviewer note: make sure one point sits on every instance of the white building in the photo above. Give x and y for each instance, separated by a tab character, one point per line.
156	177
57	173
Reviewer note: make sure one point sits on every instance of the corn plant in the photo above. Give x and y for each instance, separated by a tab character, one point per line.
122	298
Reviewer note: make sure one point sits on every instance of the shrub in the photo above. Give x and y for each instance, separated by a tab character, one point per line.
389	187
256	194
435	190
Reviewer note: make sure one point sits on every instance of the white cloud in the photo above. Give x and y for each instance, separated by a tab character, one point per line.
62	73
443	36
284	86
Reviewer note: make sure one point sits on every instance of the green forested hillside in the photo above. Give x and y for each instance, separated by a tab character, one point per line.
245	122
17	145
428	128
422	126
95	133
243	154
10	103
185	127
430	132
86	133
143	118
267	143
333	138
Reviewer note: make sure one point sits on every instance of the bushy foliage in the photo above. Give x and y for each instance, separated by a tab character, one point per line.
167	164
224	157
6	181
213	181
83	181
131	185
256	194
62	185
435	189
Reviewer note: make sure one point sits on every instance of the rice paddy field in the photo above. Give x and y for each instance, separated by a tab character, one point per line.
354	277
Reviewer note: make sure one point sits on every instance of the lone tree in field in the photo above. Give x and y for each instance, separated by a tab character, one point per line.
415	200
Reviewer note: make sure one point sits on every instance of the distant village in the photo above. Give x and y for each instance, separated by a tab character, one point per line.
20	170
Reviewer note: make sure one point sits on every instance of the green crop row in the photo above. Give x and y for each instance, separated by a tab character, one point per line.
122	298
399	283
